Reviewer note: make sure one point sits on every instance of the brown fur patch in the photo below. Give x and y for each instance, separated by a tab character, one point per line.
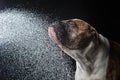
84	34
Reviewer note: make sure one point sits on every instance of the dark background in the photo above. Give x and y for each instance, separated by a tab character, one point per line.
102	14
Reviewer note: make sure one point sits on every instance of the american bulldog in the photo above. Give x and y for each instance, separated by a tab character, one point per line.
97	58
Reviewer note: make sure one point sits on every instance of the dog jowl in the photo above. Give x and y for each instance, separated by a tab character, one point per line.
92	51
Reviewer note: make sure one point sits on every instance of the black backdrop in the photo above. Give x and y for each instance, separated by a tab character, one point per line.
102	14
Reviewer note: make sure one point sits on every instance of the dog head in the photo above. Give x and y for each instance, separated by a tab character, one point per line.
72	34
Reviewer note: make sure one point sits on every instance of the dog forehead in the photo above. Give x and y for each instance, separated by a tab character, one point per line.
81	24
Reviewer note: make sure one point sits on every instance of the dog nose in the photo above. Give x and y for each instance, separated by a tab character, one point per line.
55	23
58	22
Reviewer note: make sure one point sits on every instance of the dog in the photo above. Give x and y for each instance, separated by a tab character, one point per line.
97	58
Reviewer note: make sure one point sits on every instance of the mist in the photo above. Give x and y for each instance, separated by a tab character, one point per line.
27	52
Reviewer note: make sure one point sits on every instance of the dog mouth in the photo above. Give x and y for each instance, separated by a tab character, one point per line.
58	33
52	34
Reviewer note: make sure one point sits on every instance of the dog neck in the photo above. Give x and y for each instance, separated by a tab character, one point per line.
91	62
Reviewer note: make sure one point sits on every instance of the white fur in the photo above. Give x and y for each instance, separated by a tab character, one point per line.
100	64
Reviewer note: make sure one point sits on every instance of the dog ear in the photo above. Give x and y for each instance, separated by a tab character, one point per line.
93	32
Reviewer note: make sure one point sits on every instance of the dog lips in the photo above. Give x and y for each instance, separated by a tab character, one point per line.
51	31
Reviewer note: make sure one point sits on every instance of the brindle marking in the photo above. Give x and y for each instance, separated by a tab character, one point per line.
70	33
